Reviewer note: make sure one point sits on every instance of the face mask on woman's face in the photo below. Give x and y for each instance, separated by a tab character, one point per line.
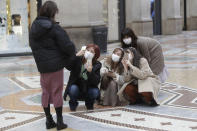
127	41
115	58
88	55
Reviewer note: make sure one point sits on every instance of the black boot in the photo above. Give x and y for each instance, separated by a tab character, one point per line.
89	105
50	122
60	123
49	119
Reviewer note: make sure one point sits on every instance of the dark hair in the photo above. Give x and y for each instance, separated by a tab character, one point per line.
136	56
129	32
119	65
49	9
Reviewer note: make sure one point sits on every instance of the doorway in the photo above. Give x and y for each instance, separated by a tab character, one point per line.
39	4
155	12
122	16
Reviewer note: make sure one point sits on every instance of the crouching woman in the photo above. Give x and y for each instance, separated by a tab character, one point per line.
83	81
113	78
143	86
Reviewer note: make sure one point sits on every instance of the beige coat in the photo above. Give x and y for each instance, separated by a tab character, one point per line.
120	78
152	51
147	81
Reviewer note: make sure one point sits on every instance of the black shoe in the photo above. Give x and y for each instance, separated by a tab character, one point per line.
153	103
132	103
138	101
90	107
73	105
60	124
50	122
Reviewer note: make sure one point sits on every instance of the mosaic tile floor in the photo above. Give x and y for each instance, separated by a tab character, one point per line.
20	96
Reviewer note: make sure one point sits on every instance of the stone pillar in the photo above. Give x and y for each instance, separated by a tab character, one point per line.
182	11
78	17
138	17
192	14
20	7
171	17
33	10
113	31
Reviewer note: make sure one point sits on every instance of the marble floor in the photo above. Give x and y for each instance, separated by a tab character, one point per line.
20	95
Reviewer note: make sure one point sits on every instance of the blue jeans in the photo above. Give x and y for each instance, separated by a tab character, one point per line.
74	93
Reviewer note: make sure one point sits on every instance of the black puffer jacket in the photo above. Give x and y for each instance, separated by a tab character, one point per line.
51	46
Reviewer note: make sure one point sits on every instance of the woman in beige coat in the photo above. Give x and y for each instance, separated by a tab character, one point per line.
143	84
112	73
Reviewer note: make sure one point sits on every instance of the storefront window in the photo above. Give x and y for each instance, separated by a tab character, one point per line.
14	23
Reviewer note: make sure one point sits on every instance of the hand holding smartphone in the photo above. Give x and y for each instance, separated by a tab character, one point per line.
83	48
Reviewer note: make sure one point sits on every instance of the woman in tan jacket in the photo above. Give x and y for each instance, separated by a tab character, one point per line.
142	85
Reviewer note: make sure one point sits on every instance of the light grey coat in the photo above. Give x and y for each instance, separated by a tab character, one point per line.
152	51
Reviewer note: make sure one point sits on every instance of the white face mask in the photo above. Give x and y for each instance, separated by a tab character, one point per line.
88	55
115	58
130	57
127	41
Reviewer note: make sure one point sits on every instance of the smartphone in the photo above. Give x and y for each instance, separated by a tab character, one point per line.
83	48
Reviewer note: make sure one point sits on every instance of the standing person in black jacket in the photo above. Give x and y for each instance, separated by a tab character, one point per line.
83	82
52	50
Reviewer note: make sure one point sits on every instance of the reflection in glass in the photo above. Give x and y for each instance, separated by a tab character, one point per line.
16	20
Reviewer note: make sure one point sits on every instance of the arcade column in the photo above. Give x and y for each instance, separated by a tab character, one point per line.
192	14
138	17
171	17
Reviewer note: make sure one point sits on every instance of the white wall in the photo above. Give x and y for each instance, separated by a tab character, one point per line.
145	9
113	30
137	10
191	8
171	9
133	10
79	12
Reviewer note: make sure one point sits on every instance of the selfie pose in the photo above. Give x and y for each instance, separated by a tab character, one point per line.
83	82
143	85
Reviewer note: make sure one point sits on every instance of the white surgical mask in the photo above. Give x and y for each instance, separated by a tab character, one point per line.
130	57
88	55
127	41
115	58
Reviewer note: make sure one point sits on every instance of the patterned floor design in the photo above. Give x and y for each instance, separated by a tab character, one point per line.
20	96
134	119
11	119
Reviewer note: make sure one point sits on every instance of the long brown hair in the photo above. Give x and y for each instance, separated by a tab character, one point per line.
119	67
49	9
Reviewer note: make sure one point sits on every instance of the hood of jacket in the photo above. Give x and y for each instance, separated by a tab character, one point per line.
40	27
